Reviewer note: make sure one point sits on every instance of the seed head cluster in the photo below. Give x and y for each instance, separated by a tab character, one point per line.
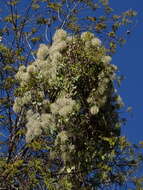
49	87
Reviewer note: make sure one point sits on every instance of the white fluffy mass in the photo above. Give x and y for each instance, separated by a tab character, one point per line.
42	73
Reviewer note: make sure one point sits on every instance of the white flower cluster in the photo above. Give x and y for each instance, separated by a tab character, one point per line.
36	123
21	101
106	59
94	110
43	69
90	39
43	72
63	106
60	35
22	75
33	125
42	52
63	136
66	149
47	60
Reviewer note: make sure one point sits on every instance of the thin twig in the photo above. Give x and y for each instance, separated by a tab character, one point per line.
30	47
59	17
67	4
46	32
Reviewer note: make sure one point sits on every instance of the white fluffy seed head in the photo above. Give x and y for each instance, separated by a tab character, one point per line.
31	69
58	46
25	77
47	122
96	42
59	35
63	136
47	64
32	132
29	114
33	125
94	110
106	59
22	68
16	108
17	104
88	44
63	106
26	98
42	52
115	68
55	56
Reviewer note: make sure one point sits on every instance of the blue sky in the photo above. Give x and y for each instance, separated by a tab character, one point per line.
130	62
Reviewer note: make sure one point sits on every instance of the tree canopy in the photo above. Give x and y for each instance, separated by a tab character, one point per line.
60	116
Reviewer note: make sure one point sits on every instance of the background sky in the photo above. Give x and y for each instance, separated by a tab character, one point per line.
129	59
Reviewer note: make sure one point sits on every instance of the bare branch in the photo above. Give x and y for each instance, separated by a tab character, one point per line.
29	47
46	32
59	15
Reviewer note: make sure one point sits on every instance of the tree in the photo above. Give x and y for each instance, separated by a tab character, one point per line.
62	98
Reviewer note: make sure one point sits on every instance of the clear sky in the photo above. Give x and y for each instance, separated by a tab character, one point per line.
130	62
